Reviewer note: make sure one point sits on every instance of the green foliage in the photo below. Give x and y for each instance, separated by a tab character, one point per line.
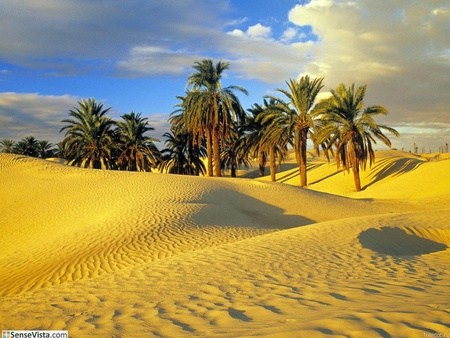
352	129
137	151
210	107
7	146
297	110
90	136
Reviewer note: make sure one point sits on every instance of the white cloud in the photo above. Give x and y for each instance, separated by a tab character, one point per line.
48	34
259	31
289	34
23	115
256	32
399	48
143	61
319	4
255	54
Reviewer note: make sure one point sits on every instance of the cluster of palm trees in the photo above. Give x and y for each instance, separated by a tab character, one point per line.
211	117
29	146
94	140
210	131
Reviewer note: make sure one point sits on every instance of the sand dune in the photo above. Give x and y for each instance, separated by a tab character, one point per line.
109	253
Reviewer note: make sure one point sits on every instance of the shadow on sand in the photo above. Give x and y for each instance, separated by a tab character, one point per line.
396	242
227	207
287	172
395	166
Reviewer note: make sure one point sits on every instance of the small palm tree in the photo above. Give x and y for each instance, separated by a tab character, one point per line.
137	151
27	146
181	156
301	95
354	129
89	138
7	146
192	133
234	154
279	129
45	149
254	131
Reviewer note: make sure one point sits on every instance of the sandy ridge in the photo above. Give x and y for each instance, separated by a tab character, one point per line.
114	253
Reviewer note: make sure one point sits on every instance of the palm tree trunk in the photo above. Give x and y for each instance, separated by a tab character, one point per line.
272	164
356	177
338	157
216	151
302	156
196	158
233	169
262	161
209	152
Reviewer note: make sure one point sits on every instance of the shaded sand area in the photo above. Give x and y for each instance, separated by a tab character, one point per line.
111	254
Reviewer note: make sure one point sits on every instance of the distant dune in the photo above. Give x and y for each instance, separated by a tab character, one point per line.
109	253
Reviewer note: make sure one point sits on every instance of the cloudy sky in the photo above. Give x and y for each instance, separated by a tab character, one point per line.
136	55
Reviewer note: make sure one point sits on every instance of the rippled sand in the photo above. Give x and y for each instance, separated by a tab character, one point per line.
109	253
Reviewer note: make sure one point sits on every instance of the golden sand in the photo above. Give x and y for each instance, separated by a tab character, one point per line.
107	253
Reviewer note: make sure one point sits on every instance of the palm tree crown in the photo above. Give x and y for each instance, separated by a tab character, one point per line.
45	149
89	136
7	145
137	150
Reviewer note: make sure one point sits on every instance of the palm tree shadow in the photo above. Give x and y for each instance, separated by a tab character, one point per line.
326	177
226	207
289	172
395	166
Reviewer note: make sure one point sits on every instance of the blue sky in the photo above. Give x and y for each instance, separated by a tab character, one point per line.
136	56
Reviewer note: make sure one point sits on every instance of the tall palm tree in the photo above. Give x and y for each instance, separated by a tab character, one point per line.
89	136
353	128
212	107
45	149
137	150
7	146
301	95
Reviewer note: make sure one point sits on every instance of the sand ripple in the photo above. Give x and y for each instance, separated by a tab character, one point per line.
131	254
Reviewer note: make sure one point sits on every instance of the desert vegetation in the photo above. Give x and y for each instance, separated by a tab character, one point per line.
211	131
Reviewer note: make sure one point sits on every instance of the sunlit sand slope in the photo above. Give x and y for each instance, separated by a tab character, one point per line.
132	254
394	175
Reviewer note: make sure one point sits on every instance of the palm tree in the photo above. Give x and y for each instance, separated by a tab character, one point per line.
27	146
278	131
211	107
353	128
89	138
45	149
193	135
137	151
7	146
180	156
253	136
234	154
301	95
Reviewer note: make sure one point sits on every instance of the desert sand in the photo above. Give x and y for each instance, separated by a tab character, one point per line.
120	254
